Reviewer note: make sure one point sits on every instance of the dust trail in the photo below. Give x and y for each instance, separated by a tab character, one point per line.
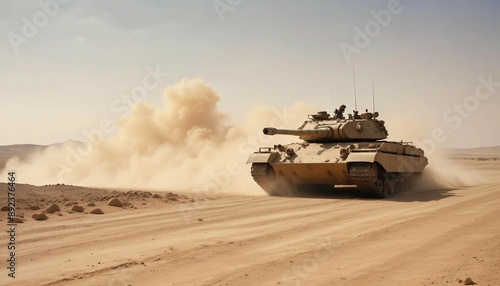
445	173
187	143
442	172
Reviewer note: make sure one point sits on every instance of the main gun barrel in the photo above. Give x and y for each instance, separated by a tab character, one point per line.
308	135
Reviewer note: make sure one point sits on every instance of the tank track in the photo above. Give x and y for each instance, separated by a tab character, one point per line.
263	175
374	182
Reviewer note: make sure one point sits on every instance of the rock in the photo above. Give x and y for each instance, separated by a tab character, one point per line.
34	208
114	202
200	219
469	281
4	208
96	211
76	208
156	196
193	200
16	220
91	205
65	199
173	199
40	216
68	204
52	209
172	195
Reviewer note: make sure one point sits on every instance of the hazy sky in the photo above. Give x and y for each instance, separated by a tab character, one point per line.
65	66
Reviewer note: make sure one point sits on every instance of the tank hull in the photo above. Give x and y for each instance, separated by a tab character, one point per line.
378	169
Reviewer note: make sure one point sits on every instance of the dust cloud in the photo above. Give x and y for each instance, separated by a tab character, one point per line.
443	173
187	143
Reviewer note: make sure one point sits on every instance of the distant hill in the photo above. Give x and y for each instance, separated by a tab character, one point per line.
20	150
492	150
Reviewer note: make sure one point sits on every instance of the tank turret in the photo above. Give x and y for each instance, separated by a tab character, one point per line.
323	128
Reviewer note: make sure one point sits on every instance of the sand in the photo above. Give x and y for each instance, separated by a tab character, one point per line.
427	237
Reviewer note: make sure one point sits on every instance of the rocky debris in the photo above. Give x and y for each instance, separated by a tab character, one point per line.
469	281
4	208
77	208
34	207
91	205
16	220
171	196
96	211
114	202
52	209
40	216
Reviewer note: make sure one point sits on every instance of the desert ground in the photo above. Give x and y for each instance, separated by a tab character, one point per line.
423	237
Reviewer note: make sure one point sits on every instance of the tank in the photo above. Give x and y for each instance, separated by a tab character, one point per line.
335	150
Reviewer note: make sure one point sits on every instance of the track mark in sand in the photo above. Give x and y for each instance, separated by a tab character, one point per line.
415	242
78	276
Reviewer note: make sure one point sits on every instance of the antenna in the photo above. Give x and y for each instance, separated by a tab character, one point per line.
331	96
373	95
354	81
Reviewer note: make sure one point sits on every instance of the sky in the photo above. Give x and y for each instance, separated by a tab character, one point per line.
67	65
